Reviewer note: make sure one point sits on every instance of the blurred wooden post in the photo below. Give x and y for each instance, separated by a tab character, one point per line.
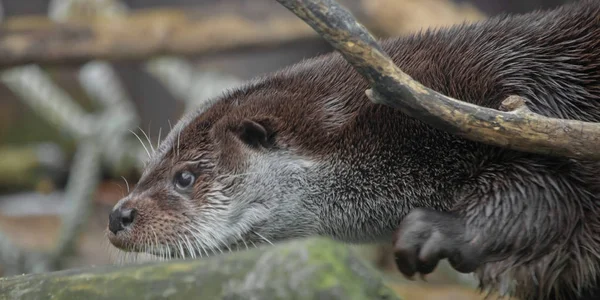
227	25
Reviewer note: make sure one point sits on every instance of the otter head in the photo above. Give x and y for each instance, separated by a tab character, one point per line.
223	178
294	154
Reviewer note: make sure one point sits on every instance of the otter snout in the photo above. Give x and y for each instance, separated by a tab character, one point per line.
120	219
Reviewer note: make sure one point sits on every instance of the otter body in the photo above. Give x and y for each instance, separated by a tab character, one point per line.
303	152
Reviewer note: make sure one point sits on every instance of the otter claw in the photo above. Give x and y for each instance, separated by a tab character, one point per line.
426	236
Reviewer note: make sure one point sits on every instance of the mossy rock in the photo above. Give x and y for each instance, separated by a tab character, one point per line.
313	268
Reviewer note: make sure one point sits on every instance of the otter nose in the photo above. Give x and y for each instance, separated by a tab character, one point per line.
120	219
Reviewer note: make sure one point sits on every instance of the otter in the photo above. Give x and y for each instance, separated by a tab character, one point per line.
303	152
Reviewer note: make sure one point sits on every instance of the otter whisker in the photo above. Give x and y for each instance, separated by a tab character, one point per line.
213	240
212	252
198	241
178	139
244	241
161	253
217	242
262	237
199	229
161	250
147	138
143	145
151	246
136	254
183	243
199	248
180	246
169	252
126	258
182	249
116	256
189	246
126	184
214	245
158	140
113	255
177	250
146	244
172	251
112	251
196	233
200	244
224	242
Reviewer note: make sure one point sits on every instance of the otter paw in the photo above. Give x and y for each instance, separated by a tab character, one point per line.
426	236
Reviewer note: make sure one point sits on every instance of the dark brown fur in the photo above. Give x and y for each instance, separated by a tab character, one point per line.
537	216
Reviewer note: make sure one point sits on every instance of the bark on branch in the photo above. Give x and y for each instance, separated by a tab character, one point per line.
519	129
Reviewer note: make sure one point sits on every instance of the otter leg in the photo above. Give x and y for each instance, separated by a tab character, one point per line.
426	236
525	231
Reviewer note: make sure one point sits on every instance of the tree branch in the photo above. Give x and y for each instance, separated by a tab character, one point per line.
83	181
98	135
519	129
140	35
208	28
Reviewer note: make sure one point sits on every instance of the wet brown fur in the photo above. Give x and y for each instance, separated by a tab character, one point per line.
540	214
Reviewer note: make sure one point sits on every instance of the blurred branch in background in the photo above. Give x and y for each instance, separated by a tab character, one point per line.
141	35
94	134
101	137
185	82
209	28
25	167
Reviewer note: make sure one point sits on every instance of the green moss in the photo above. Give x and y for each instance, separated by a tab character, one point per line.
300	269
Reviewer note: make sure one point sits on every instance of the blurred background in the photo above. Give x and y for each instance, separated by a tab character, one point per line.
85	82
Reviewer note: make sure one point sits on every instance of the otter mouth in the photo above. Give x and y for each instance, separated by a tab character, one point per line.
183	247
162	251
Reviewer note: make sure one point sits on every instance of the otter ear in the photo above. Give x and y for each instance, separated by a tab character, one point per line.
255	133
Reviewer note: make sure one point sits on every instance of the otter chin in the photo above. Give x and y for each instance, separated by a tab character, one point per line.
303	152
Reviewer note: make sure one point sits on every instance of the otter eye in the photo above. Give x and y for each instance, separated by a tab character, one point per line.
184	180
